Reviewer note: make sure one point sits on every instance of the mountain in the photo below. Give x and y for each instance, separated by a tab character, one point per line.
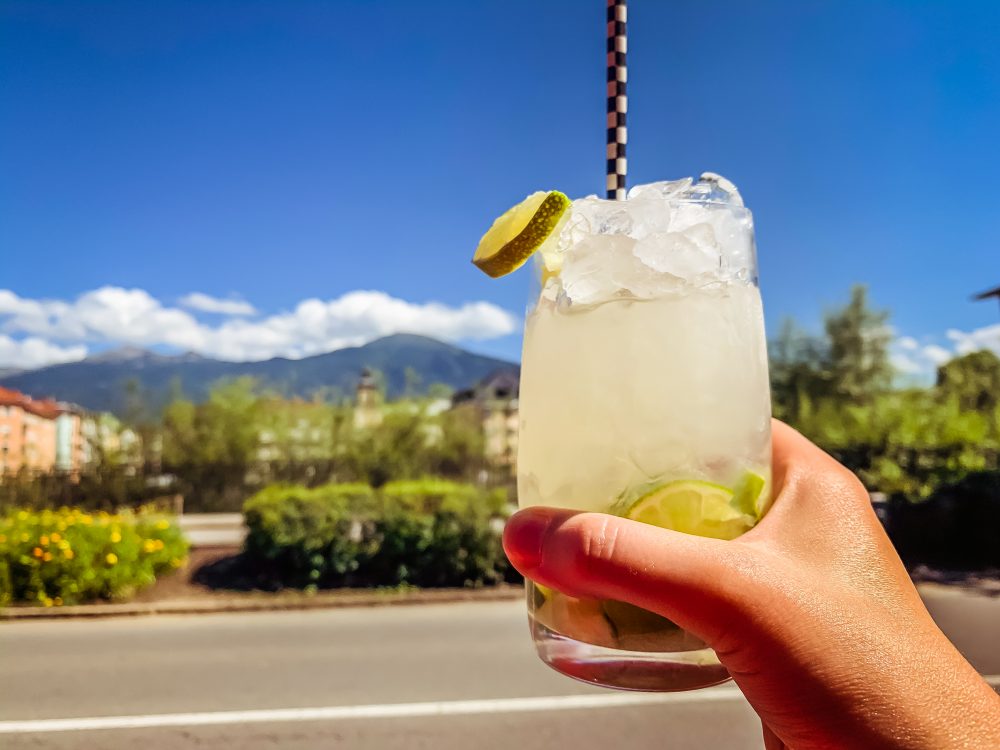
100	382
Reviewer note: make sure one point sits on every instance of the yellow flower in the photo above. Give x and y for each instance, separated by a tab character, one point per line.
63	544
116	536
158	543
43	540
111	558
148	546
24	537
55	537
47	556
58	601
68	554
22	516
37	552
162	525
47	602
86	520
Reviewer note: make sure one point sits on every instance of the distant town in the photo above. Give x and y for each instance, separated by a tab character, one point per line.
45	436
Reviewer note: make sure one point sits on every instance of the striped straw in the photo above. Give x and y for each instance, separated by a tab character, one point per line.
617	100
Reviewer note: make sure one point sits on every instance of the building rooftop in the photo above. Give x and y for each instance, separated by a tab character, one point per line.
500	385
46	408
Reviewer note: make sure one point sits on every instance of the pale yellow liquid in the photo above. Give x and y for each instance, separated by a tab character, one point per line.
623	396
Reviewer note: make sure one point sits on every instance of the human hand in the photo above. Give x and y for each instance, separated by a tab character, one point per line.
811	611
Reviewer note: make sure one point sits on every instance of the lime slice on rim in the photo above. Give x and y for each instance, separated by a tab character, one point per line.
516	235
694	507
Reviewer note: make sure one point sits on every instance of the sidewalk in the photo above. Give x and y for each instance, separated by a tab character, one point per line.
181	594
262	601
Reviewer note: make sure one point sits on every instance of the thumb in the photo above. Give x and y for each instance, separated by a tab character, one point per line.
694	581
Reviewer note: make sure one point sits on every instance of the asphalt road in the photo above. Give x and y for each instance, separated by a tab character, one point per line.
436	676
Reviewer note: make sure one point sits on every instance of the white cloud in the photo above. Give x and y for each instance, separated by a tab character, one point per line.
210	304
906	364
917	361
117	316
26	354
936	354
987	337
920	361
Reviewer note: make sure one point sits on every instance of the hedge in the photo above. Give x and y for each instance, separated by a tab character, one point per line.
68	556
427	532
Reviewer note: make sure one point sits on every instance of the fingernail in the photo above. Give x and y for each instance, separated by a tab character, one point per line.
524	536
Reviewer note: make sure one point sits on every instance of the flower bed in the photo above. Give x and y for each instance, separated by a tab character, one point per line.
68	556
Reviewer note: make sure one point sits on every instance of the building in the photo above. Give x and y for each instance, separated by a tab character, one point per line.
367	402
27	433
295	430
43	436
493	400
71	452
104	439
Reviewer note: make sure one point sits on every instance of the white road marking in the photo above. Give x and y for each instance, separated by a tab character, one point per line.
380	711
373	711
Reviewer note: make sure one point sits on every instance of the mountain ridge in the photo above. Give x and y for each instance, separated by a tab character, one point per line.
99	383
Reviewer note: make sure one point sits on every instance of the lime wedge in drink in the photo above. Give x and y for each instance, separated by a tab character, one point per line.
694	507
750	497
516	235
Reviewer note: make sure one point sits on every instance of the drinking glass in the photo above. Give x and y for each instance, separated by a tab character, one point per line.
644	393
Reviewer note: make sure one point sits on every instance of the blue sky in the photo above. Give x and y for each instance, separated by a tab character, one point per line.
352	153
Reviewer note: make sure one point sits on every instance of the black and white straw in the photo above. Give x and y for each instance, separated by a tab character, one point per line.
617	100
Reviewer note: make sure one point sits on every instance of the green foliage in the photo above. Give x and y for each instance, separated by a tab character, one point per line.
835	389
223	430
439	390
798	364
849	362
67	556
105	486
905	443
428	532
306	536
428	495
859	338
974	380
242	439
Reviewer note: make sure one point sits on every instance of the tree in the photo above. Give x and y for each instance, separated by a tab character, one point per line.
211	447
859	338
798	371
973	379
439	390
411	383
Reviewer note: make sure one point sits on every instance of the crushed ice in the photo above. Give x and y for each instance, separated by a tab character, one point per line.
665	237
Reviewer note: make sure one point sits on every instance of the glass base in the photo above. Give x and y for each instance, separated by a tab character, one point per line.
628	670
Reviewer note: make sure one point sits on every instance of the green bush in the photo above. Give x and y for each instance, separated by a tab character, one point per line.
309	536
67	556
907	443
428	532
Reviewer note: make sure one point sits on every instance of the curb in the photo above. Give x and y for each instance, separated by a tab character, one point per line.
265	603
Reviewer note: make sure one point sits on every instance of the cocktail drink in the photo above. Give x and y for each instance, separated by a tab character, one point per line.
644	394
